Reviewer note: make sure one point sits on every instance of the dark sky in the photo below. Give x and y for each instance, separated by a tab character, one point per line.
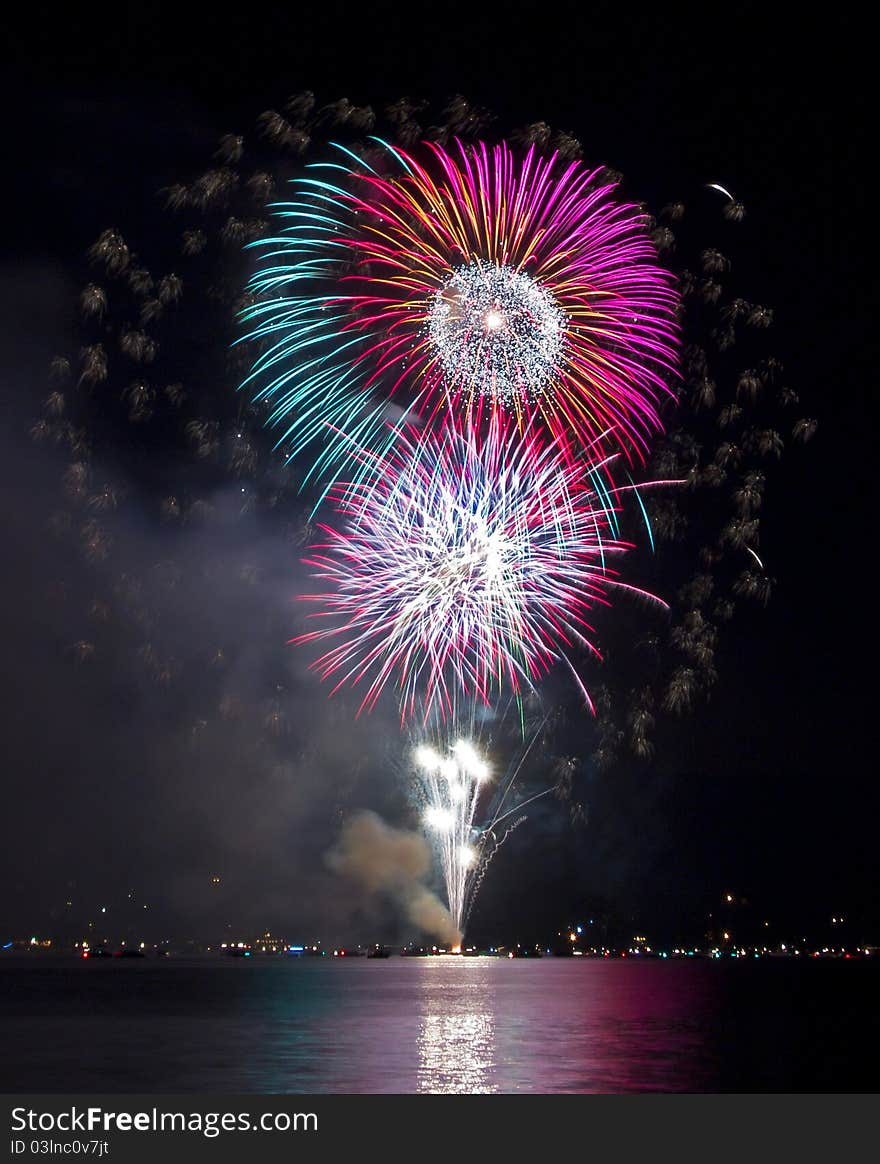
768	789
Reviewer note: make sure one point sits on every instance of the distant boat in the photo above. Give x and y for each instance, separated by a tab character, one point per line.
379	952
128	952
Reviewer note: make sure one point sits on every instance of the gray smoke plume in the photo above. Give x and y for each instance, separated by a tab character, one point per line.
395	862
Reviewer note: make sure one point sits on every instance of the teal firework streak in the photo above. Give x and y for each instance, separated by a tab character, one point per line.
453	287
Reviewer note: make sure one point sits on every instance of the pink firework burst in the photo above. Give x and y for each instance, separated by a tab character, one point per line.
457	282
521	283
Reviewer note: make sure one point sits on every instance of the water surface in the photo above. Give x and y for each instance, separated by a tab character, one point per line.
437	1025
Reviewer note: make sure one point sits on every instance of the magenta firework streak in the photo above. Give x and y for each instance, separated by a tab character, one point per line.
456	283
470	563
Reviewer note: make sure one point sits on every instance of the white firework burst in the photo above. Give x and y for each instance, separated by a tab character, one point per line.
497	333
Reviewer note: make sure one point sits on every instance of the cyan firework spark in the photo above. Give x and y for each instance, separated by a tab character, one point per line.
448	283
470	563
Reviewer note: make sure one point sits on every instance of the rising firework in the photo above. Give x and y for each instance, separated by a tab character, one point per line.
468	811
464	566
452	790
453	283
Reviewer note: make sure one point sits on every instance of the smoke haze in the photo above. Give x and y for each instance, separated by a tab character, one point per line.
382	859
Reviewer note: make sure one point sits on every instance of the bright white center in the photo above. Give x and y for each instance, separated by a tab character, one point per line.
496	332
440	819
427	758
465	561
449	768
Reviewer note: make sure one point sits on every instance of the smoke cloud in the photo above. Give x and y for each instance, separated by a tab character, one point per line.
393	861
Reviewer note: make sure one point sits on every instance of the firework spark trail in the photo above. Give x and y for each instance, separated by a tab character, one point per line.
489	841
452	789
463	807
466	564
452	284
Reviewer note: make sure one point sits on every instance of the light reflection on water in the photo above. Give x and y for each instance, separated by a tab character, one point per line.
457	1031
561	1026
438	1025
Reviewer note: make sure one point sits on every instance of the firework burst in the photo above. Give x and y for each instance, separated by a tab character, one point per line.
455	282
463	566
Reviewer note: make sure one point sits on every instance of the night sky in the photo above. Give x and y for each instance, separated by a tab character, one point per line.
766	790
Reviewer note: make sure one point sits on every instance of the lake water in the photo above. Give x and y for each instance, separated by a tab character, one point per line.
438	1025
